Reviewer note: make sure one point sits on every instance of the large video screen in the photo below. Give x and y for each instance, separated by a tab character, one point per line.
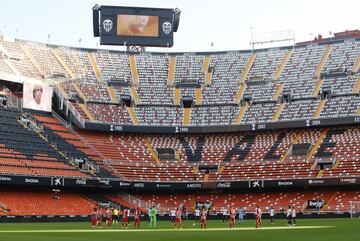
137	25
37	96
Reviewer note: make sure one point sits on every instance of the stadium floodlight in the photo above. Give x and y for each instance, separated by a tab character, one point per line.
271	37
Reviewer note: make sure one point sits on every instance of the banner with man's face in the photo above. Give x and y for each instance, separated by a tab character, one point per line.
37	96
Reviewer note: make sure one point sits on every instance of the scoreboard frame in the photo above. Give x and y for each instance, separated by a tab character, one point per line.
109	22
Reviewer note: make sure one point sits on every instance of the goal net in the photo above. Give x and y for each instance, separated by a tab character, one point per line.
355	209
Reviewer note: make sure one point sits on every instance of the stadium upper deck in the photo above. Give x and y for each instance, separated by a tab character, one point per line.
318	80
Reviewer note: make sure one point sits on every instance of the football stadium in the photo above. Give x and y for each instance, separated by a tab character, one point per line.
116	141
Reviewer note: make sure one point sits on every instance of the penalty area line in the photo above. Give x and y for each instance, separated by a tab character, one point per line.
159	230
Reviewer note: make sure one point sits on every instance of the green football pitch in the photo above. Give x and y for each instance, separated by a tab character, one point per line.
305	230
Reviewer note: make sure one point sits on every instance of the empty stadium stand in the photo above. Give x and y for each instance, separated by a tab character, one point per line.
304	73
312	83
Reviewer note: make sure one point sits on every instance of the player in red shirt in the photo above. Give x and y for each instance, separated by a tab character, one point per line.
203	218
99	218
137	214
178	220
94	218
232	217
108	217
258	214
125	218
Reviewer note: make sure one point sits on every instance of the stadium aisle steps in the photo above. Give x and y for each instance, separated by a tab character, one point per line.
134	72
319	174
206	63
278	91
171	72
317	88
87	112
206	177
95	68
209	74
62	62
282	64
132	114
329	201
151	150
240	93
356	88
319	109
62	91
247	68
336	165
198	96
187	116
176	98
278	112
113	97
77	88
32	59
316	147
16	72
323	61
241	114
356	65
135	95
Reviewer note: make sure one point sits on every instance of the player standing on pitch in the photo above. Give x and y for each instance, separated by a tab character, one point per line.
272	215
94	218
178	220
108	214
289	215
137	214
152	215
115	215
99	217
293	216
258	214
125	218
232	217
197	215
172	216
241	215
203	218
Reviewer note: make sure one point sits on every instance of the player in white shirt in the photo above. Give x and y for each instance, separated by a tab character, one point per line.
272	215
173	215
293	215
289	215
224	215
197	214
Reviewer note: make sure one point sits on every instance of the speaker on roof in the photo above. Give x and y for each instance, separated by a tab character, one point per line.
96	28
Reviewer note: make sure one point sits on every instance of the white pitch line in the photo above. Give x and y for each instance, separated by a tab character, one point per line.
158	230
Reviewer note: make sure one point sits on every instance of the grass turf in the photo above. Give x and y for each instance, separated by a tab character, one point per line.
306	230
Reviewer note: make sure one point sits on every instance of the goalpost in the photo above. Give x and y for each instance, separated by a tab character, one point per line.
355	209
